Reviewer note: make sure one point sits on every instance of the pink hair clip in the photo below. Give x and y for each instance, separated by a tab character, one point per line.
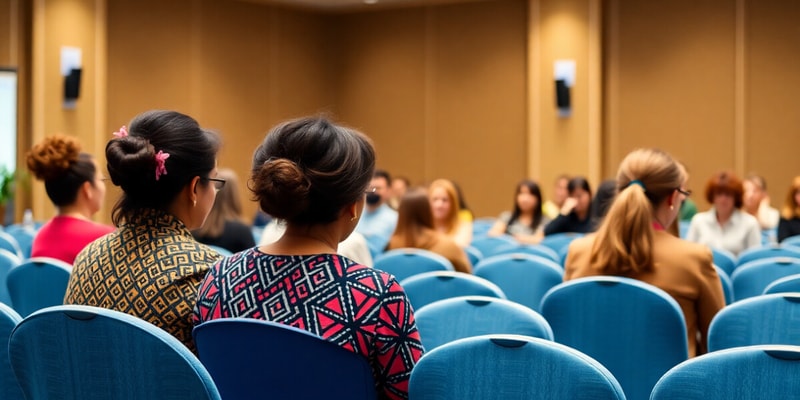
161	168
122	132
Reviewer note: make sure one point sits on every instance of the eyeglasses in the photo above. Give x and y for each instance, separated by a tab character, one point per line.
218	183
684	192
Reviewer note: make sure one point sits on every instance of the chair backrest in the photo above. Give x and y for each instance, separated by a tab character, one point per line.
753	372
767	251
767	319
532	249
9	388
403	263
87	353
724	259
523	278
482	226
752	278
488	244
8	260
283	360
786	284
559	241
447	320
474	255
791	241
510	367
24	237
37	283
727	284
423	289
633	328
8	242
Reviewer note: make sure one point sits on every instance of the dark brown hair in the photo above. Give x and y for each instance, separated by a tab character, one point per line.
132	160
307	169
59	162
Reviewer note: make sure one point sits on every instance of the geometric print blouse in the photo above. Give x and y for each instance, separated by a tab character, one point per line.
149	268
359	308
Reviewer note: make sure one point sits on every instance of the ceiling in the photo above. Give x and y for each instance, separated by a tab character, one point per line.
349	5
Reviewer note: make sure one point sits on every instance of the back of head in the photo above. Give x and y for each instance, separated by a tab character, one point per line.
413	216
186	151
58	161
791	208
306	170
645	179
227	206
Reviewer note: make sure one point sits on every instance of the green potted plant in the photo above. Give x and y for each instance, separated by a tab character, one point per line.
6	190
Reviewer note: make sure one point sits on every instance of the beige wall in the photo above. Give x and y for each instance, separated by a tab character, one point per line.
463	91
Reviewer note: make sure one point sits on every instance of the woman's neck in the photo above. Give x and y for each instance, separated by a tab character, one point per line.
722	218
317	239
74	211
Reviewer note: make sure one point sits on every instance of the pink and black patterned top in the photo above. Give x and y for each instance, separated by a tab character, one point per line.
359	308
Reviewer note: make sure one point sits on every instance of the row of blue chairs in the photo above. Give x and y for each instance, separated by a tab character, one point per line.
34	283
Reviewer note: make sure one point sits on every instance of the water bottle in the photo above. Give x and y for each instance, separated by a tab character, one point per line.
27	220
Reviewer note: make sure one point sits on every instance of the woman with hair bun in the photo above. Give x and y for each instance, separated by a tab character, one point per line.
314	175
75	186
151	266
632	242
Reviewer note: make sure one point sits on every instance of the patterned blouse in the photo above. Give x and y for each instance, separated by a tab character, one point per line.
149	268
365	310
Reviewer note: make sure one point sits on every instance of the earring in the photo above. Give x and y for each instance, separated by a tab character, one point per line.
194	203
355	217
671	207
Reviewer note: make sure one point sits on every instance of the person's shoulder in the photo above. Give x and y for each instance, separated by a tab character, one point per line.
682	248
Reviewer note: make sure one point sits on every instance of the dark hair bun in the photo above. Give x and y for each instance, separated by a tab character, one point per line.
52	158
283	189
131	162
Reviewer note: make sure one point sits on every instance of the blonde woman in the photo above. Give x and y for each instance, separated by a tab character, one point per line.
444	202
633	242
224	225
789	224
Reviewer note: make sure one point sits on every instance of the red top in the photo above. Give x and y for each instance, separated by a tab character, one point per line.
64	237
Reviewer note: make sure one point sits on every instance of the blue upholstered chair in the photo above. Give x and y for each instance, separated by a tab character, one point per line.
727	284
488	244
767	251
8	260
792	241
510	367
753	372
523	278
752	278
474	255
24	237
9	388
536	250
423	289
767	319
724	259
90	353
447	320
559	241
37	283
256	359
9	243
786	284
634	329
403	263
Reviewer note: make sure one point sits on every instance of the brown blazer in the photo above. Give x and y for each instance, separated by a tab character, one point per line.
682	269
428	239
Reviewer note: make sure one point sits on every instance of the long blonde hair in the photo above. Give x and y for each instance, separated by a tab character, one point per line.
790	207
624	242
451	220
227	206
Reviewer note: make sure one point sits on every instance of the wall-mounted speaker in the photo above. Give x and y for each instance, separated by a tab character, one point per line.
72	84
562	94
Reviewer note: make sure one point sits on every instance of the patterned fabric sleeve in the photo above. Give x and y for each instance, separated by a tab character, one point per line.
209	301
397	341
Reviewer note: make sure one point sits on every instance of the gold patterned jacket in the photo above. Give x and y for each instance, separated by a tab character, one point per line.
149	268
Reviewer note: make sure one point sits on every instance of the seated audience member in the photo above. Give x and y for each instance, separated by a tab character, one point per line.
378	219
224	227
526	221
465	214
632	242
789	224
576	213
551	208
400	185
75	186
447	214
602	201
725	226
313	175
151	266
688	210
756	202
355	247
415	230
